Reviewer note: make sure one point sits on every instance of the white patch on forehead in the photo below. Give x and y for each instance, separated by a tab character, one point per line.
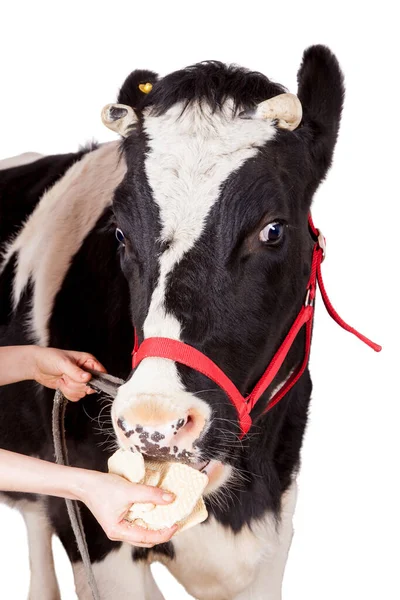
57	228
190	156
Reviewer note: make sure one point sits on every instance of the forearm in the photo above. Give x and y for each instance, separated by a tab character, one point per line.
20	473
16	363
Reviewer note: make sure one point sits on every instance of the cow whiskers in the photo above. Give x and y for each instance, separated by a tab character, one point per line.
223	497
101	412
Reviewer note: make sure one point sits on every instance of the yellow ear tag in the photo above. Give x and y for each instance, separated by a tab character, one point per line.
145	87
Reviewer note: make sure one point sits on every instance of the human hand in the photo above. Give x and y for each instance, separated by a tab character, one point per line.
64	369
109	497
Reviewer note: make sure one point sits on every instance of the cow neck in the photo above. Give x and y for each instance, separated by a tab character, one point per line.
189	356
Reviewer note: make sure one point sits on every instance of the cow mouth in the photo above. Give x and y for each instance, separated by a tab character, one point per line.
201	466
213	468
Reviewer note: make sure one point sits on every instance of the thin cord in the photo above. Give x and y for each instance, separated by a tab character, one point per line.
61	454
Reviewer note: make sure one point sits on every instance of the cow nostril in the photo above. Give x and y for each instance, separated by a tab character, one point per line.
181	423
159	432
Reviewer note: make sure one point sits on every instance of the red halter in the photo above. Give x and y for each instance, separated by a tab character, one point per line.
190	357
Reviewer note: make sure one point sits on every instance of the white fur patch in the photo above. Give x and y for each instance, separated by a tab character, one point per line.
280	385
43	581
118	576
218	476
21	159
57	228
212	562
190	157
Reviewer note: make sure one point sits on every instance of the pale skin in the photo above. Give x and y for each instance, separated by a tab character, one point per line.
108	496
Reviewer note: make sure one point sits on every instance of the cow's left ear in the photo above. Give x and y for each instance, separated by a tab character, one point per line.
132	95
321	93
119	118
136	87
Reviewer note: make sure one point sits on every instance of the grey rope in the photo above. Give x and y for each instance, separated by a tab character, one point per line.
61	453
109	385
101	383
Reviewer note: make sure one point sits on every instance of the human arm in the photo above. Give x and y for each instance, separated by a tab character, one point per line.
52	368
108	496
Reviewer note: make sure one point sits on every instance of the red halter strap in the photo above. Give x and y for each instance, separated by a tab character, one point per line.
190	357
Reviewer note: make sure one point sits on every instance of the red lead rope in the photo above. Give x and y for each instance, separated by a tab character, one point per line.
188	355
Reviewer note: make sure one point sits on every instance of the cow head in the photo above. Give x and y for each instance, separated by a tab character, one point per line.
212	219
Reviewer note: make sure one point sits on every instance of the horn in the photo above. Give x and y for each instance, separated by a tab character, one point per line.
119	118
285	108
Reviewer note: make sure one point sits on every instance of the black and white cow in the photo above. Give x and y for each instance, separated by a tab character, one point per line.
212	249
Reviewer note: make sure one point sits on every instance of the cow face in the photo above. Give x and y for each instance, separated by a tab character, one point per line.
212	220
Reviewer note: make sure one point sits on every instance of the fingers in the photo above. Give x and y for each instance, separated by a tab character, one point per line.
73	371
94	364
84	359
74	377
138	536
72	390
146	493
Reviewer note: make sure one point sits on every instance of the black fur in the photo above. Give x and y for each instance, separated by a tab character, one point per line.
130	93
211	82
235	298
20	191
22	187
320	77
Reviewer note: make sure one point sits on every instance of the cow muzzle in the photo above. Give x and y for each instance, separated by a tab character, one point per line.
154	425
159	425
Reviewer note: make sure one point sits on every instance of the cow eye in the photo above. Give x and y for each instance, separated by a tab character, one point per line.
119	234
272	233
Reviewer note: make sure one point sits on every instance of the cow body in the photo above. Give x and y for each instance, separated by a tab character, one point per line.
64	283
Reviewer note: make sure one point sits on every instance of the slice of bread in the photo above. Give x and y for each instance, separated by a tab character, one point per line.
187	484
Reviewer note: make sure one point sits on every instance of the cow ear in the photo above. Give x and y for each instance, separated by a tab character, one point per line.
119	118
136	87
321	93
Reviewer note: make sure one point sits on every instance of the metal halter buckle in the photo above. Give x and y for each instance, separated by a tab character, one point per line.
309	301
322	244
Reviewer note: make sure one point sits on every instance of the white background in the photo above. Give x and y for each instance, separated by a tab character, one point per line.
62	61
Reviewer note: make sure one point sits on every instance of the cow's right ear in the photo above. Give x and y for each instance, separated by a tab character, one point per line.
321	93
119	118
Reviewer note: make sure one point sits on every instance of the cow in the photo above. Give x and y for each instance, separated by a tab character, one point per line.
193	226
